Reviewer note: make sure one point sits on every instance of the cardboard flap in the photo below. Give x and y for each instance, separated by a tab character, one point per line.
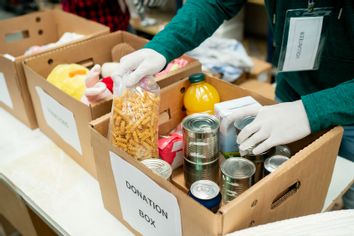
120	50
294	189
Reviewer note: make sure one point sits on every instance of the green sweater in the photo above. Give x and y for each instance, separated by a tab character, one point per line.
327	93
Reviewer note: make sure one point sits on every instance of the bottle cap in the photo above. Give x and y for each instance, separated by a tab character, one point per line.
195	78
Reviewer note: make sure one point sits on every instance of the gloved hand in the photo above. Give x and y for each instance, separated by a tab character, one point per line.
139	64
274	125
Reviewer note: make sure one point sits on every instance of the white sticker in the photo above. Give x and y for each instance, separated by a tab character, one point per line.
4	92
146	206
303	41
60	119
177	146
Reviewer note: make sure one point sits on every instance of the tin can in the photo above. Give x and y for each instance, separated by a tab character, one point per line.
207	193
242	123
194	171
201	148
258	161
200	136
158	166
236	173
283	150
273	162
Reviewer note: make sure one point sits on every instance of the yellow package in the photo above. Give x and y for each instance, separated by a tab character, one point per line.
70	78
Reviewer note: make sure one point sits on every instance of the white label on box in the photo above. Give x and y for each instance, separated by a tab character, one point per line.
4	92
60	119
146	206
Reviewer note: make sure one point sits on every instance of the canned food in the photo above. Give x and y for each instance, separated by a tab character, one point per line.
242	123
201	148
160	167
236	175
200	136
283	150
273	162
258	161
194	171
207	193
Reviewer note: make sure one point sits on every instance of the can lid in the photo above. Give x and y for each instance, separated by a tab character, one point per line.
201	123
283	150
273	162
158	166
238	168
195	78
242	123
205	189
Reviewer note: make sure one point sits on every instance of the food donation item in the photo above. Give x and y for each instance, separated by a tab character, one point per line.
258	160
201	96
273	162
171	149
207	193
134	120
70	78
158	166
201	148
236	174
227	139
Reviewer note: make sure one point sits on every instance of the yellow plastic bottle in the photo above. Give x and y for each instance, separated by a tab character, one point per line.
201	96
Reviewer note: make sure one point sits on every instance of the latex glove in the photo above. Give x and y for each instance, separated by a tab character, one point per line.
274	125
108	68
141	63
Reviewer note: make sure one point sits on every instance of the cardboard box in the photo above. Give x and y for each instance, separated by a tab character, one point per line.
20	33
66	120
297	188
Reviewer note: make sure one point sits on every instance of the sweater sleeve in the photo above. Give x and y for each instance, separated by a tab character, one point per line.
329	107
194	22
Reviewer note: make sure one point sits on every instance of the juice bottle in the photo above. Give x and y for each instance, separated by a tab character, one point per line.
200	96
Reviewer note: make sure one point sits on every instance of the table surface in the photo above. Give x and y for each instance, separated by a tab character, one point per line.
67	197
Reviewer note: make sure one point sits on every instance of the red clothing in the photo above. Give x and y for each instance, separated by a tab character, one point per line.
107	12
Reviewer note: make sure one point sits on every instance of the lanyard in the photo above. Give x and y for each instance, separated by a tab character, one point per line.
310	5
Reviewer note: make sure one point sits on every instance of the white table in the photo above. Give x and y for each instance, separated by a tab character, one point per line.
63	194
51	183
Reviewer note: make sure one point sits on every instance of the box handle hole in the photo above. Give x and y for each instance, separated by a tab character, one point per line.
182	90
16	36
40	32
252	223
50	61
280	198
88	63
254	203
38	19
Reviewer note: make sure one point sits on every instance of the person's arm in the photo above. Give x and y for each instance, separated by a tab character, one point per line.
194	22
329	107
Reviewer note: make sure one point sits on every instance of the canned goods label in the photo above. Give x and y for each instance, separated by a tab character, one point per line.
148	208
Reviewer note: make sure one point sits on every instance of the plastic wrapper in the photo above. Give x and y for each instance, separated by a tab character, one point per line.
134	120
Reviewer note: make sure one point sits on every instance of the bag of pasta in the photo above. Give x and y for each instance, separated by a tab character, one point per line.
134	120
